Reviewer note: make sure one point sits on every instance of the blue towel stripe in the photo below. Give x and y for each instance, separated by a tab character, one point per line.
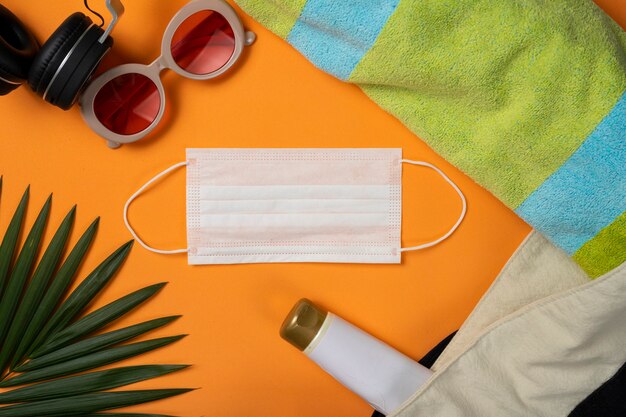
588	191
335	34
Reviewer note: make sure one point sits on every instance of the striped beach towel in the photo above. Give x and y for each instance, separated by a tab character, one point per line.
525	96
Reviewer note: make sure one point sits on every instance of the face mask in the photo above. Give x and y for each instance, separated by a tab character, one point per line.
294	205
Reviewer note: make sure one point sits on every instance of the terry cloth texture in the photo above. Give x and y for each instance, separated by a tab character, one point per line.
542	360
607	401
525	96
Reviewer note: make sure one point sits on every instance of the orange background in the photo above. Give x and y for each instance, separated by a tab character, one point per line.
272	98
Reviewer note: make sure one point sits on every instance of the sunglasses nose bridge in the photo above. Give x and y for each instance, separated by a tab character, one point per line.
158	65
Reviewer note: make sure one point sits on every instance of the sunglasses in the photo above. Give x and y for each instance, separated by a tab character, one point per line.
203	40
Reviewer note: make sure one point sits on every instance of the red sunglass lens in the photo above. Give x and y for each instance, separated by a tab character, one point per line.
127	104
203	43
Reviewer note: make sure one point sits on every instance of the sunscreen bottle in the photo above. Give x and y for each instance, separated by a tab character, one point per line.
379	374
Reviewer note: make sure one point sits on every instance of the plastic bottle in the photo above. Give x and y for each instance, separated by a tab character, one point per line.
379	374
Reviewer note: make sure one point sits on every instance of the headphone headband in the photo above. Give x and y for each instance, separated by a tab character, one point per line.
116	8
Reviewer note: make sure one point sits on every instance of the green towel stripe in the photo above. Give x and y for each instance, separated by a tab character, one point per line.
359	21
506	91
607	250
279	16
588	192
497	102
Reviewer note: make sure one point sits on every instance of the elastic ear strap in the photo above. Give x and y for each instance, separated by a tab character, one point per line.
463	211
137	194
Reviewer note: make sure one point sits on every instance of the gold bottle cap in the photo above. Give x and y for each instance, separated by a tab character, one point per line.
302	324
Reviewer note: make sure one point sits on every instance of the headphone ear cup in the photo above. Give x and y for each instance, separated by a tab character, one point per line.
67	60
18	48
64	91
54	51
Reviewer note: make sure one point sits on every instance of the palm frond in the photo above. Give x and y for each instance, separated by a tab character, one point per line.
79	405
21	269
9	242
88	362
55	292
44	341
36	288
83	295
99	318
91	382
94	344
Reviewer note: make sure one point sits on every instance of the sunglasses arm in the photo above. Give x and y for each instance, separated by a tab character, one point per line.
116	8
250	37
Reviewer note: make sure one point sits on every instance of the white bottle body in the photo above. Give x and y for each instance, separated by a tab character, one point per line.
379	374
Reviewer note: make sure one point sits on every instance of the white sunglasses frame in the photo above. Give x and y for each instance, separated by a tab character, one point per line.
165	61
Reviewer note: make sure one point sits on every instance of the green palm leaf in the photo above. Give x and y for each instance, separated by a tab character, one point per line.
94	344
91	361
88	403
82	384
82	296
55	292
36	289
44	341
9	242
21	269
99	318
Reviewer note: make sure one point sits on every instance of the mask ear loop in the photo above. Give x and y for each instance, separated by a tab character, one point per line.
463	210
137	194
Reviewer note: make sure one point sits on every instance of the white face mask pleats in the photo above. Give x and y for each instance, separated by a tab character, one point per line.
294	205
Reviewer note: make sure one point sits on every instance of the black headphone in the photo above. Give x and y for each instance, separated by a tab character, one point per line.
60	69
